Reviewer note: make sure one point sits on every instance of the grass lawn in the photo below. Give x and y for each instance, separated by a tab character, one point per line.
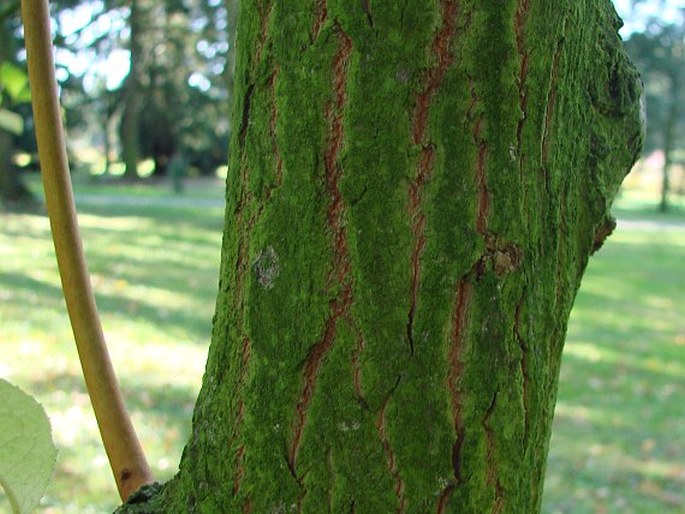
618	443
619	433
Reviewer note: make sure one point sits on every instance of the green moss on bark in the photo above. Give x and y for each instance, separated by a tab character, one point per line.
413	193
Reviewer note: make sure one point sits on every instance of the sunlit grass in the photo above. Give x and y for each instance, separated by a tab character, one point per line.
619	432
618	444
155	273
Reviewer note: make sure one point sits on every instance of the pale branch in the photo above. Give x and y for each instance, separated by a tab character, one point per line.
128	463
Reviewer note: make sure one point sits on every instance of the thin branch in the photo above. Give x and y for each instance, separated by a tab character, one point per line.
124	451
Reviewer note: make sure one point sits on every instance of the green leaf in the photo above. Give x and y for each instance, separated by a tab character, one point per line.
14	80
27	454
11	122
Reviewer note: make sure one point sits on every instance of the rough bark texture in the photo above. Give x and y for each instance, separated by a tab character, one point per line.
414	191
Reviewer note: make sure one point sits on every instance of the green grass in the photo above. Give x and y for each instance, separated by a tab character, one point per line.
619	433
155	272
618	444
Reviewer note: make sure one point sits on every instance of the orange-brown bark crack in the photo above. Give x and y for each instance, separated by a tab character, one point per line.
435	75
459	324
263	32
381	427
524	363
519	22
444	498
483	194
320	18
459	321
433	79
340	276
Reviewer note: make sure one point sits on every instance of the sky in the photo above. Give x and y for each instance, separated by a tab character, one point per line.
667	10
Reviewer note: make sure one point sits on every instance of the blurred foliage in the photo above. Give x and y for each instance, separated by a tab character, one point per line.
14	95
659	53
175	95
182	76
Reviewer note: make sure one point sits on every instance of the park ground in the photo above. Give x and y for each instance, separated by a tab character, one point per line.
618	444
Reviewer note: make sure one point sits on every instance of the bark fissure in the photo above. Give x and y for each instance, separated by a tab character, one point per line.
434	77
381	427
483	194
320	18
504	260
263	32
462	301
444	498
340	306
518	337
519	28
367	11
245	120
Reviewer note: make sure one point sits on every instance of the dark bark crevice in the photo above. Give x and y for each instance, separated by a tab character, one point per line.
520	19
381	428
340	274
443	55
523	346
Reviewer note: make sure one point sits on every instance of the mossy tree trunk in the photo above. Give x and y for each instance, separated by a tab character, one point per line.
414	191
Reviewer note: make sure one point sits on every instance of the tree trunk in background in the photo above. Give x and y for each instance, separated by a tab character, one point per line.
13	191
413	194
669	139
129	129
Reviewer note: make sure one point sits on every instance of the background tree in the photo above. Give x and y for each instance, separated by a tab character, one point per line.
180	66
414	191
660	54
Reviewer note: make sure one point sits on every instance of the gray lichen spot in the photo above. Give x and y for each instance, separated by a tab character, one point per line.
266	267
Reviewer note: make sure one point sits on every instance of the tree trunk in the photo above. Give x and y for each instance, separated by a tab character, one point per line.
413	194
129	129
669	139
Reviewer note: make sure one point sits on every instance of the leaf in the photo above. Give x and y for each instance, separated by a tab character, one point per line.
27	453
11	122
15	81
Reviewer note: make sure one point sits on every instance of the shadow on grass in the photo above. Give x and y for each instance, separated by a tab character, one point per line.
209	218
46	297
